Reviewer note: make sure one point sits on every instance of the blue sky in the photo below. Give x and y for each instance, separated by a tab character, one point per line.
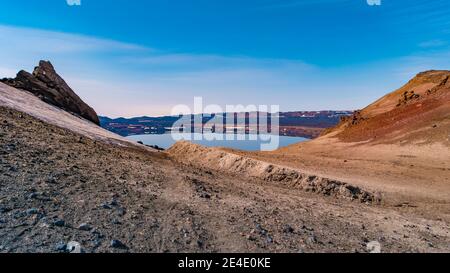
131	58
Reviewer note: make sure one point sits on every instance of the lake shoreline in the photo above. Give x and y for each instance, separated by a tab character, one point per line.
245	142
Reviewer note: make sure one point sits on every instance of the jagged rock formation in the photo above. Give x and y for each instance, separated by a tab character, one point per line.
46	84
420	105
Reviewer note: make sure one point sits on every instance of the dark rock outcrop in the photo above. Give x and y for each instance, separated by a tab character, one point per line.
46	84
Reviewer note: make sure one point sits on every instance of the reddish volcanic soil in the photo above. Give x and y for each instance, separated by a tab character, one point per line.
399	145
421	107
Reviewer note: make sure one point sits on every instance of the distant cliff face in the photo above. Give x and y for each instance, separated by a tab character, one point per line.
46	84
422	105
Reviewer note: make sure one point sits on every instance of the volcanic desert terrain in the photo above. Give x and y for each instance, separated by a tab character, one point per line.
380	177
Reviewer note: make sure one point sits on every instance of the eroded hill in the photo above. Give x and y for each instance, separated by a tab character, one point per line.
417	112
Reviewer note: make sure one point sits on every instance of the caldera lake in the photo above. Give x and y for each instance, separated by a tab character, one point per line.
246	142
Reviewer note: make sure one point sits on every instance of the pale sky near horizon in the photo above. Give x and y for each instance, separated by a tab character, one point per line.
144	57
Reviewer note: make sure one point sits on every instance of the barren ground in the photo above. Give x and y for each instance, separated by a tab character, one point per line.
53	180
415	175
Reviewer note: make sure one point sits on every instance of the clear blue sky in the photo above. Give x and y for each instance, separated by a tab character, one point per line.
129	58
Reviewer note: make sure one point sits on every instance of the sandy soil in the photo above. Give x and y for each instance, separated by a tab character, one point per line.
399	146
417	176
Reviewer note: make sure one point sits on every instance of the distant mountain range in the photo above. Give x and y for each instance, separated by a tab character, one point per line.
308	124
